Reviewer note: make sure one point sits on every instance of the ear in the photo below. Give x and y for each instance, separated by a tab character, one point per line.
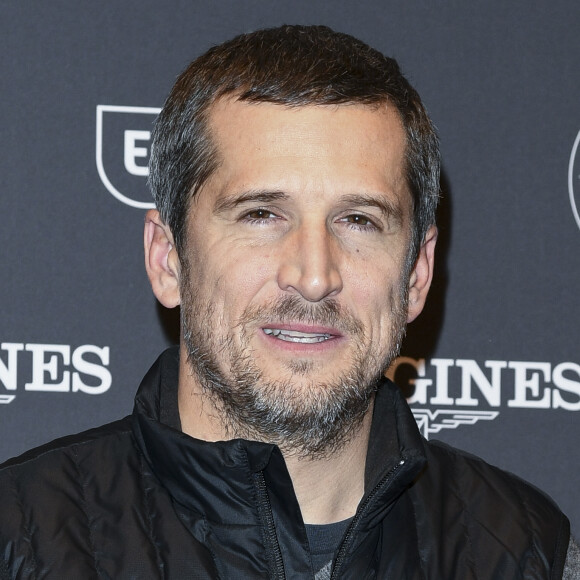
422	274
161	260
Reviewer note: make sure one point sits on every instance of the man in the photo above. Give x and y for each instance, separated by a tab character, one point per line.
295	174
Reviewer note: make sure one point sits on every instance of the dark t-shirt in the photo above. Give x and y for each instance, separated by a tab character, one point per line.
324	541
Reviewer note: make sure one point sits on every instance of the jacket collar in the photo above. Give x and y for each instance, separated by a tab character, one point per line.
216	479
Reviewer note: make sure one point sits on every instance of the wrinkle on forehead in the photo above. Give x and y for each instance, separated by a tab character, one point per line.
305	141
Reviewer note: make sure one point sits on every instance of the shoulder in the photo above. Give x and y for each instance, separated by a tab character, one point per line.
490	508
53	494
71	445
54	473
471	477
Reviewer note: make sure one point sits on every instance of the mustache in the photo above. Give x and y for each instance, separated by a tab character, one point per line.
293	309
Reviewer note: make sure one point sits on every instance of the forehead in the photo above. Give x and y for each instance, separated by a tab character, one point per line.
347	148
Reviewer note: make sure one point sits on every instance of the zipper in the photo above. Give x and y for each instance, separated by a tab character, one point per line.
275	561
347	540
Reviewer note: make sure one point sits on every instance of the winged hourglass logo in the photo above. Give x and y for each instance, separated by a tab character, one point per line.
431	422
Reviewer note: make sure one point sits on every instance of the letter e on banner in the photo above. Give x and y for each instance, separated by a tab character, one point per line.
122	152
48	363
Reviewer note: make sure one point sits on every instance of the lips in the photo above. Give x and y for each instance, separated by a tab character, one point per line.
297	336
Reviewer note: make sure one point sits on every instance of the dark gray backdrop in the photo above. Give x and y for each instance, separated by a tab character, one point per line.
501	81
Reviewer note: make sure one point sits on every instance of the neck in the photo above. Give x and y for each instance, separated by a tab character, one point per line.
328	489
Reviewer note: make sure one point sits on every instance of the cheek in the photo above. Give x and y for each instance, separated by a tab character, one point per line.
238	279
375	301
253	272
372	286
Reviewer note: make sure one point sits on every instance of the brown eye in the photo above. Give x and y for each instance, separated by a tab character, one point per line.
359	220
259	214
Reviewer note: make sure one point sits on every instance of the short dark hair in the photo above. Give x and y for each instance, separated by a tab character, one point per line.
291	66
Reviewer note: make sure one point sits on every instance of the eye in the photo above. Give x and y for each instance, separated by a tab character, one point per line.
359	221
259	215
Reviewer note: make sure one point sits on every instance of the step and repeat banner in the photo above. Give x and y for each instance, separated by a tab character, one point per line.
491	366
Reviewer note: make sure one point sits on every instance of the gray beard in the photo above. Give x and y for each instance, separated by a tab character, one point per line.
315	420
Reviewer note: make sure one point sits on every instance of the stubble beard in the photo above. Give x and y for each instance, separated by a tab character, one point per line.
311	420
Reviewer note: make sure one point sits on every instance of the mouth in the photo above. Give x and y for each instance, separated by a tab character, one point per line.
297	336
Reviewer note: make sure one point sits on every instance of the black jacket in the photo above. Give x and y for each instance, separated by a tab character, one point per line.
139	499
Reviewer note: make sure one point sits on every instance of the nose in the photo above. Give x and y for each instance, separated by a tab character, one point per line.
310	264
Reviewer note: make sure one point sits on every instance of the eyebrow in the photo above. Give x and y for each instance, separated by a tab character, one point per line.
261	196
388	208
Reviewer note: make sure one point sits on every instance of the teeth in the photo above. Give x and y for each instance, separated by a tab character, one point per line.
294	336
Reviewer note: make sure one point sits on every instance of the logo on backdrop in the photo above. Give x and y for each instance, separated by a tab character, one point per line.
447	393
122	152
574	179
53	368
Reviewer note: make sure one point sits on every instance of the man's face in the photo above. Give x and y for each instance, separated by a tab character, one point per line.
293	283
